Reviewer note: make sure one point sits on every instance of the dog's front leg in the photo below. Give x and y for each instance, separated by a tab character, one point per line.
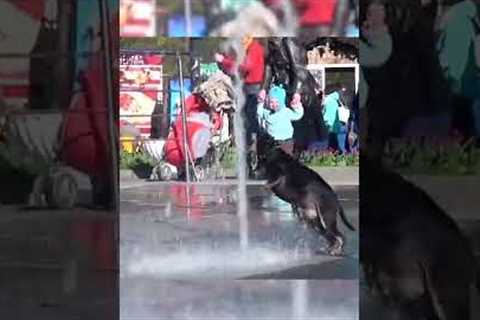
272	184
295	211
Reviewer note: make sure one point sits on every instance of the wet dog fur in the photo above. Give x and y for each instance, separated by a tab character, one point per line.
313	201
413	254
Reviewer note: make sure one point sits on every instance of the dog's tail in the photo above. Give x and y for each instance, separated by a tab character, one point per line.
343	216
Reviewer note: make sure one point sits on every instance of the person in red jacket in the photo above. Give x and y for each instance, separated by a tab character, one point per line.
252	72
316	18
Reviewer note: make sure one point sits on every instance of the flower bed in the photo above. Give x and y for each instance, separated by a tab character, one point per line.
142	161
447	156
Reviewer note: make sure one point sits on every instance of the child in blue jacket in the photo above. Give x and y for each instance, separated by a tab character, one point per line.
276	119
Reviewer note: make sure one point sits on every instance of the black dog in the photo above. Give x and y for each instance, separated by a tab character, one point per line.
313	200
413	254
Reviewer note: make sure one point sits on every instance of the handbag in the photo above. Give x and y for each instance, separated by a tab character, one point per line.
343	113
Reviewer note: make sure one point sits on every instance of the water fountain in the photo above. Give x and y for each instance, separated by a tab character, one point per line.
241	145
299	299
289	29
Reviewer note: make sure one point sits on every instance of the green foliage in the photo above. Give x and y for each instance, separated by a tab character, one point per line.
311	159
17	179
230	158
136	160
449	156
330	159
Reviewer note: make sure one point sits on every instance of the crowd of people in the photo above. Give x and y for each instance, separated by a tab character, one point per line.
276	108
268	109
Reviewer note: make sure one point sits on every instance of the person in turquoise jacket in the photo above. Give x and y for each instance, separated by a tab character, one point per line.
337	130
276	119
459	53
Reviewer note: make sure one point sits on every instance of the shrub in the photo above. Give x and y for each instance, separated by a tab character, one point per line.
451	155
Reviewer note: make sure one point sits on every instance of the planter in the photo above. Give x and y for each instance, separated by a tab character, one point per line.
142	171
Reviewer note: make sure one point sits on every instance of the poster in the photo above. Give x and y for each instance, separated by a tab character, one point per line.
175	96
141	88
137	18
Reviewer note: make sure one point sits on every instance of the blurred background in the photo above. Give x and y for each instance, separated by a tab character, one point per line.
200	18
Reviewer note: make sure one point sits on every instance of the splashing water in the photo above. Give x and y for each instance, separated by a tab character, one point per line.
241	145
299	299
289	28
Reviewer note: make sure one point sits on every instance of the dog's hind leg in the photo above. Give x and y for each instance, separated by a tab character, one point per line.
328	229
450	297
319	217
334	237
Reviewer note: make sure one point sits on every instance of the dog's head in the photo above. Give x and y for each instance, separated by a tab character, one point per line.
276	156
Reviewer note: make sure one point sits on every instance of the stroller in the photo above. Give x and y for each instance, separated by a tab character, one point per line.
66	157
208	112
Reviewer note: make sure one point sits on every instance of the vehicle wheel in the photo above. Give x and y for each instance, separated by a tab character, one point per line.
62	191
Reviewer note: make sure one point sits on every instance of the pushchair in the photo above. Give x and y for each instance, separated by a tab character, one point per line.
208	145
66	150
208	112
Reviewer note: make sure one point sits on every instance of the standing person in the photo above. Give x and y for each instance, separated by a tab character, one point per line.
252	71
336	130
276	119
375	49
343	117
459	55
316	18
353	126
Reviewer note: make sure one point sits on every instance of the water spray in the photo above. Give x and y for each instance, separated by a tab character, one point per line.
240	141
184	124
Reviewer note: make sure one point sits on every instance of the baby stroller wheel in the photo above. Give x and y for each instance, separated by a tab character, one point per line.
62	191
166	173
200	173
219	173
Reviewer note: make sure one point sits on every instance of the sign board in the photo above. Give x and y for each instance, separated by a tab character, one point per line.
137	18
177	27
141	87
207	69
175	96
235	5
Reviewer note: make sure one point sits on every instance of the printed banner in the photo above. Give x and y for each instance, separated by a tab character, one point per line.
137	18
141	88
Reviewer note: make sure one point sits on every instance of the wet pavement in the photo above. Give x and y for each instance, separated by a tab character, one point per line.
57	264
181	261
239	299
158	230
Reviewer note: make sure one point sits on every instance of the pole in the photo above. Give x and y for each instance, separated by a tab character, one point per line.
184	125
188	17
113	139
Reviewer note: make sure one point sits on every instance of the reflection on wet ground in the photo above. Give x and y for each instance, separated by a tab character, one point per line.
161	236
239	299
181	261
57	264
